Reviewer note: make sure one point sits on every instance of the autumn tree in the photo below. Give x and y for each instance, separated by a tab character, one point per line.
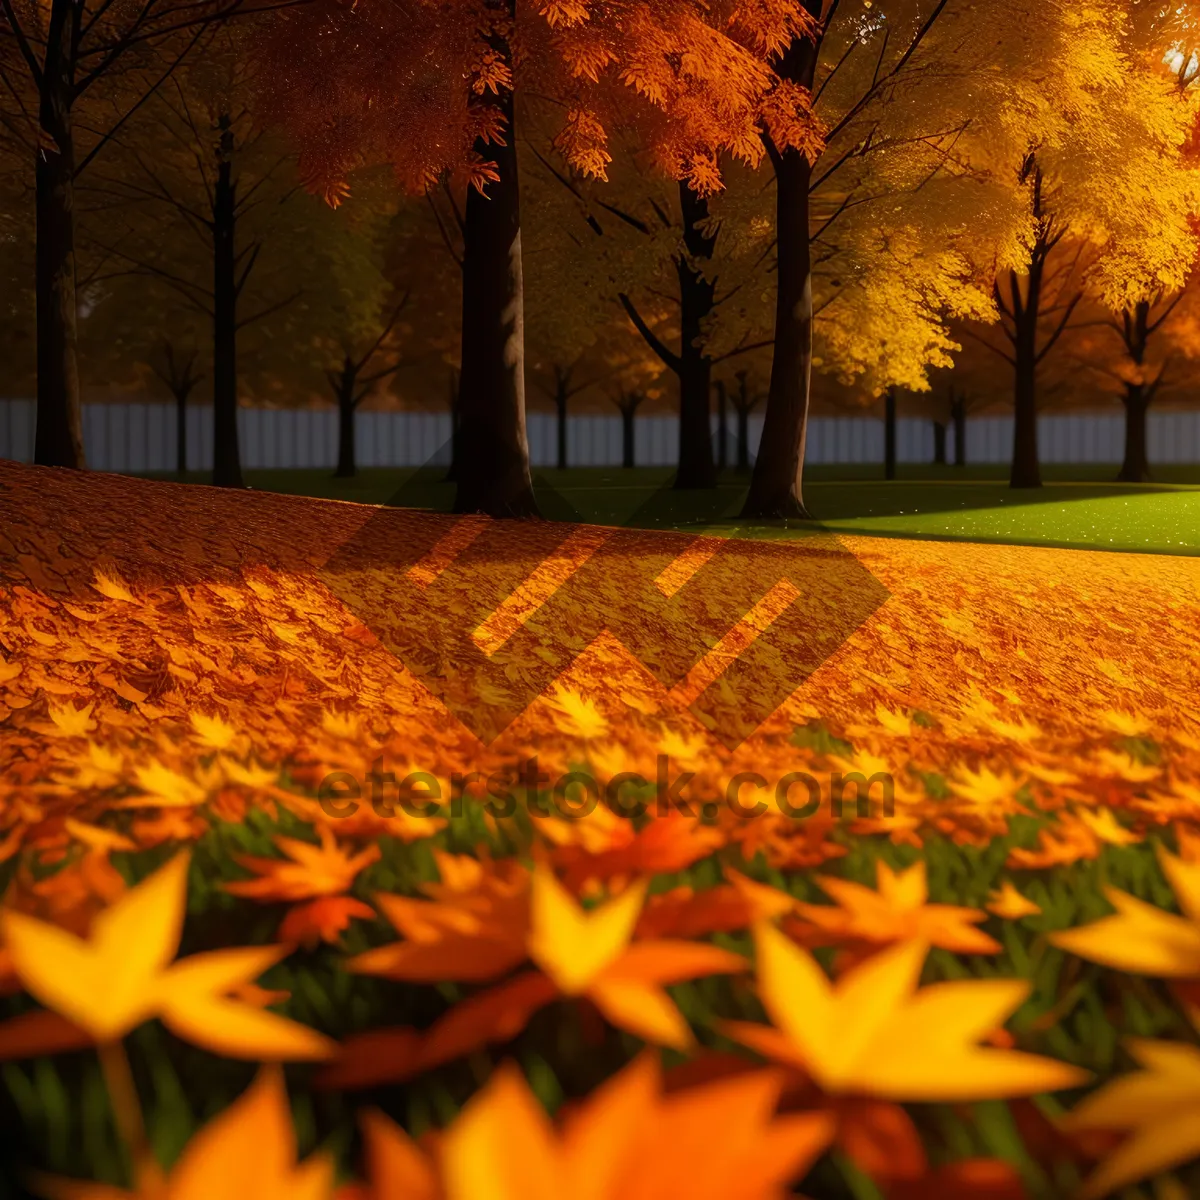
204	203
1094	151
694	80
74	72
656	250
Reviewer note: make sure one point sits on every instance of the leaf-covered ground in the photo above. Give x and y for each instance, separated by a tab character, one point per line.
183	669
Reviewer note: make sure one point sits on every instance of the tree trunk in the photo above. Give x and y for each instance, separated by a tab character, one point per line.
696	466
1026	472
939	443
181	408
58	441
347	466
452	470
227	463
627	442
958	410
1136	466
494	469
776	489
560	406
743	439
889	434
722	430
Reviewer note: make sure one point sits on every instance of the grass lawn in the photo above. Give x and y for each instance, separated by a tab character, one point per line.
1077	507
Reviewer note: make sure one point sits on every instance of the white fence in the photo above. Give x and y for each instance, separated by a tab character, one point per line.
141	437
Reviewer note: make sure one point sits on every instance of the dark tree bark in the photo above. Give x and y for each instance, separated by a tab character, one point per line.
1136	329
743	404
722	430
452	470
889	434
696	294
227	460
347	464
776	488
1023	309
58	441
351	387
627	404
958	414
1135	468
179	374
939	443
494	473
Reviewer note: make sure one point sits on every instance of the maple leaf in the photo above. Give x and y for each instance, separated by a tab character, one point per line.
1143	939
1007	902
583	954
248	1150
738	904
122	975
212	731
1104	825
71	721
897	911
576	715
629	1141
322	920
874	1032
984	787
1159	1108
324	870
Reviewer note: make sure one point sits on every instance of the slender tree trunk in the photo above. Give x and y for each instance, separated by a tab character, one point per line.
1136	466
1026	472
743	439
627	440
889	434
776	489
560	407
181	409
696	466
958	410
227	462
494	473
58	441
722	430
452	470
939	443
347	466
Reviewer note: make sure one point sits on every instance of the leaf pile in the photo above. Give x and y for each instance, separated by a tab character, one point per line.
886	1001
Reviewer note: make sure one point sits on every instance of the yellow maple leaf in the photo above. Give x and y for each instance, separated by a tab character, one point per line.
122	975
629	1141
163	788
247	1150
873	1032
1143	939
1104	825
1159	1107
895	723
212	731
72	721
984	787
1007	902
574	946
575	715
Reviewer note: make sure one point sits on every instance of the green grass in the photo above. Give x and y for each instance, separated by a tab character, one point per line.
1078	506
